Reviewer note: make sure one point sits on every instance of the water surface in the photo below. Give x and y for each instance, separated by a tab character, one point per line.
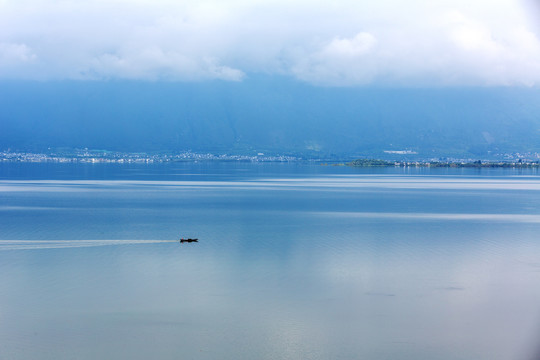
294	261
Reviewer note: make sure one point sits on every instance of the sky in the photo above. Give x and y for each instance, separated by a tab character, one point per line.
324	43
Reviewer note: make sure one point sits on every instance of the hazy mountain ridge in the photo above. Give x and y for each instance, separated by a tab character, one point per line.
268	115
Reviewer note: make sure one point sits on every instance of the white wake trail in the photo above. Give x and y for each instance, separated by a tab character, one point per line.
60	244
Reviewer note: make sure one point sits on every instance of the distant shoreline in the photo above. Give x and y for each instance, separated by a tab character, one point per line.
110	157
443	164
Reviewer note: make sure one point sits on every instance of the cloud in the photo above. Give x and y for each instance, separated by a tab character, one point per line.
342	61
154	64
339	43
496	58
11	53
350	48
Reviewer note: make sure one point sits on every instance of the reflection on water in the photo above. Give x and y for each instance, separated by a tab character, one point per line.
292	262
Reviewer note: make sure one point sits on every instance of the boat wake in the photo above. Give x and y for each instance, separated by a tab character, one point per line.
61	244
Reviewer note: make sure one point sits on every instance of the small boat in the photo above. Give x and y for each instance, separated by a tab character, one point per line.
189	240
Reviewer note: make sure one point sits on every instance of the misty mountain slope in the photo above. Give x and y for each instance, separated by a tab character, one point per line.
269	115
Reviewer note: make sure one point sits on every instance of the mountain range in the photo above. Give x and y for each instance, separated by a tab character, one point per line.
269	115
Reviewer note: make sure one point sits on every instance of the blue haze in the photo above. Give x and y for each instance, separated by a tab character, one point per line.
270	115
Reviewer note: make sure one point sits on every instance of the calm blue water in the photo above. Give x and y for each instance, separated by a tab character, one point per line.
295	261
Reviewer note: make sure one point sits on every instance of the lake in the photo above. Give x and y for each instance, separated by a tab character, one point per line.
294	261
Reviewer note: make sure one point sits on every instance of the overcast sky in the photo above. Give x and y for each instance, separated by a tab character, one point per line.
330	43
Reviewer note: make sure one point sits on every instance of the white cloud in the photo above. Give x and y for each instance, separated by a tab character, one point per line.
339	43
154	64
342	61
12	54
350	48
470	35
493	57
